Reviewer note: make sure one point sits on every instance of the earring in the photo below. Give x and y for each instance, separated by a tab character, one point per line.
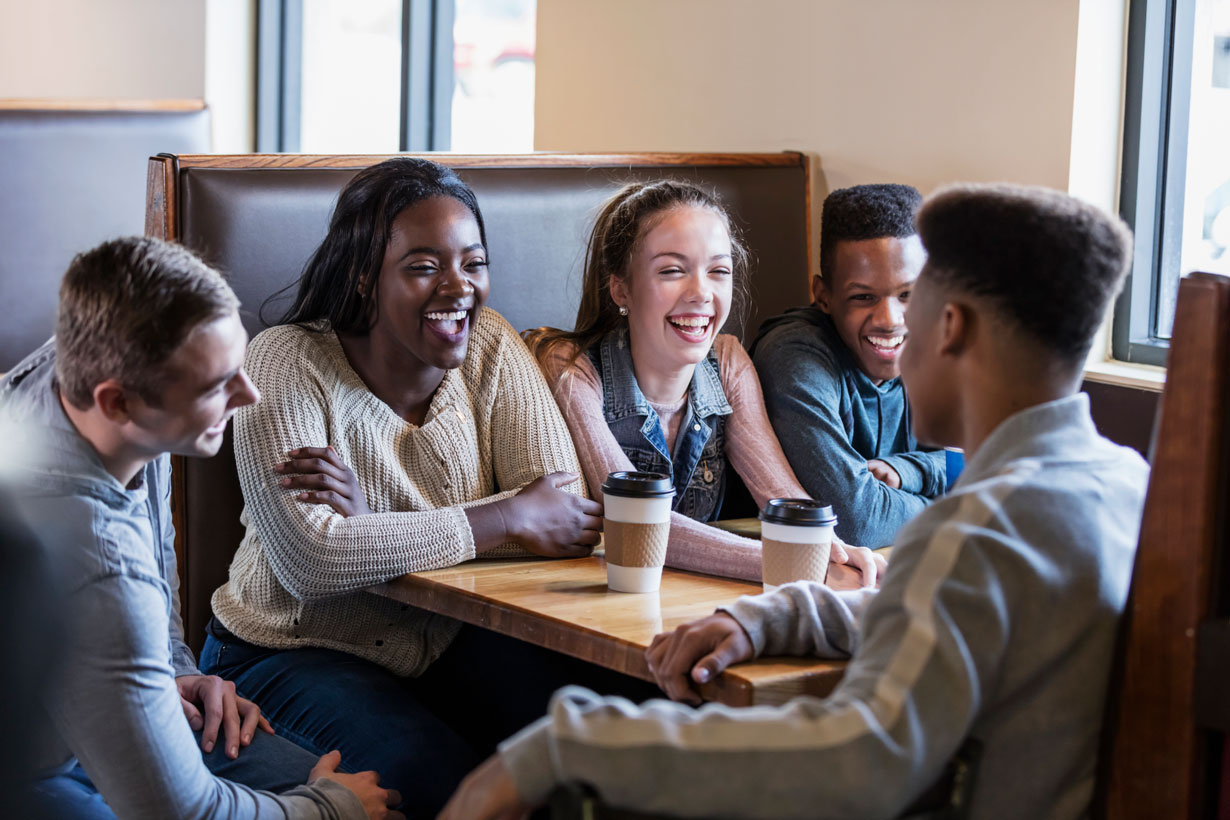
623	310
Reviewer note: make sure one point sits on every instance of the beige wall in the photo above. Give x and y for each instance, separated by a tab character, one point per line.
879	90
131	49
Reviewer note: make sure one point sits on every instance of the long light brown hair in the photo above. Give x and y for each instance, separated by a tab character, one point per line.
624	220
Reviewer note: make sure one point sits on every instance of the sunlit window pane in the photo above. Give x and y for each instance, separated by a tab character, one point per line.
351	75
493	72
1206	194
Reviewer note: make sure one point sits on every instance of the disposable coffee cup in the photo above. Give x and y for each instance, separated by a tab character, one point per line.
796	535
636	526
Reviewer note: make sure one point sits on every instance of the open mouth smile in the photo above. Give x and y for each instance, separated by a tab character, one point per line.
886	348
692	327
450	325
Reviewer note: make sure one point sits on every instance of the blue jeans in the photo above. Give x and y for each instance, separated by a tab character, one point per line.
270	763
421	734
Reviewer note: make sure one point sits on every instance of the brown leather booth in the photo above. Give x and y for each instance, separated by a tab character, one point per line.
259	217
71	175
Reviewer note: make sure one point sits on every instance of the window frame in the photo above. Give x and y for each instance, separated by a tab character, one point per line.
426	75
1156	111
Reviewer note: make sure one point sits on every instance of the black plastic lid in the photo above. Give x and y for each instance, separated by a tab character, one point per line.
638	485
798	512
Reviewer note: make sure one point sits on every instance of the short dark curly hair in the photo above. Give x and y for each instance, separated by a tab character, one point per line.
865	212
1042	260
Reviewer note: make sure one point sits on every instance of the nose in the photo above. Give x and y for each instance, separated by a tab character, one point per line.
455	282
890	313
245	391
699	289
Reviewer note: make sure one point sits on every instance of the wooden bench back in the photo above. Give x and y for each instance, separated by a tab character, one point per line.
1170	695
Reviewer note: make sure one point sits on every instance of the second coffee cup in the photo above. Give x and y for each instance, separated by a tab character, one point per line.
796	535
635	529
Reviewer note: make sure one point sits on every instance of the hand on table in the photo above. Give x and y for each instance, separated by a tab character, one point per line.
854	567
550	522
695	653
323	478
365	785
210	702
487	793
884	472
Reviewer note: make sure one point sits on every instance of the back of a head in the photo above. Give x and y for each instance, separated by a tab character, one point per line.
1043	261
125	307
865	212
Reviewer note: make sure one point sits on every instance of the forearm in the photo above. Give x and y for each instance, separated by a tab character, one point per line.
120	713
698	547
803	619
926	468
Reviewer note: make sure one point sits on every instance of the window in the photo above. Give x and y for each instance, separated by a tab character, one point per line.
381	76
1176	168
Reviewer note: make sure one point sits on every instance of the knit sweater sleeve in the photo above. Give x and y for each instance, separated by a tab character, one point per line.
693	546
313	551
529	436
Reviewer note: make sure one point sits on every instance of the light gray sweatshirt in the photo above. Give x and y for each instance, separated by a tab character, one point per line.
996	620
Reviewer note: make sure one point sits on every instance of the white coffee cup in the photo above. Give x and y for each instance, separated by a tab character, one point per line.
796	536
636	528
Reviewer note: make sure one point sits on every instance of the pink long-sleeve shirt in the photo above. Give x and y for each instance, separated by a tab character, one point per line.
751	447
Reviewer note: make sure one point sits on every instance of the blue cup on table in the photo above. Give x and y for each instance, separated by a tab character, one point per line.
954	463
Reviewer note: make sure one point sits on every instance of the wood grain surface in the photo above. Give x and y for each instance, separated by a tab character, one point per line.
565	605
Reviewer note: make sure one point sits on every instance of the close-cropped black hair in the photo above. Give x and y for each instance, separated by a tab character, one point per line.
358	234
865	212
1042	260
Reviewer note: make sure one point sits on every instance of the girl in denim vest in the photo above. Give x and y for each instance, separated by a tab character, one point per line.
646	382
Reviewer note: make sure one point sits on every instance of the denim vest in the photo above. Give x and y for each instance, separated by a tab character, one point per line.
699	463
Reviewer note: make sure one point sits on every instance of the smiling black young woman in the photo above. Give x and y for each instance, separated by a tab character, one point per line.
405	427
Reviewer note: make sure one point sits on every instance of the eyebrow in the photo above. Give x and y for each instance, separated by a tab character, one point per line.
678	255
222	380
425	249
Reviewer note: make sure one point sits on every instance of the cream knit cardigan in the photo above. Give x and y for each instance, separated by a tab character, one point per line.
300	572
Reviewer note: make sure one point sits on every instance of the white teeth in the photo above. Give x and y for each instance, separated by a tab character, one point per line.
453	316
690	321
886	342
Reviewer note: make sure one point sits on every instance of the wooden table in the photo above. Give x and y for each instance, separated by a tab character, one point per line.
565	605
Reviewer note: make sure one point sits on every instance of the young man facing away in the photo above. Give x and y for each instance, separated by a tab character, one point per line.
830	370
147	360
997	617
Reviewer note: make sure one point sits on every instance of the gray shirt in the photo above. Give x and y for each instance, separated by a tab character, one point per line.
996	621
116	708
831	419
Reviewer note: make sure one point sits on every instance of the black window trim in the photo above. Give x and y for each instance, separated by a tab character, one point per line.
426	75
1156	107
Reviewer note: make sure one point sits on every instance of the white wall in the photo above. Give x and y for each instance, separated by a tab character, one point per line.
230	73
112	49
879	90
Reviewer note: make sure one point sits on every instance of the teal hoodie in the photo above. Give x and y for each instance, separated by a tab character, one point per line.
831	419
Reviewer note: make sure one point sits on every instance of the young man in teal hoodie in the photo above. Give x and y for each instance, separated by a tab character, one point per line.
830	370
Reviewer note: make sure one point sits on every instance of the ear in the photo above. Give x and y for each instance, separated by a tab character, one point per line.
958	325
619	290
112	398
820	293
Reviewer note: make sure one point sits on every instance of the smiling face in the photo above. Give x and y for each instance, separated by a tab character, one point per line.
866	294
677	287
204	384
432	283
